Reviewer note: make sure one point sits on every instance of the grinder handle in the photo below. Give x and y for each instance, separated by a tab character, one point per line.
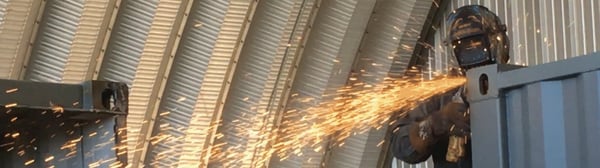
456	148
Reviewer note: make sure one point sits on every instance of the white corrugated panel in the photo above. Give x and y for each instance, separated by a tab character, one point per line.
123	56
324	66
394	26
393	22
182	90
278	76
127	41
144	89
3	10
217	76
409	35
15	15
85	41
8	59
53	44
357	151
240	117
169	23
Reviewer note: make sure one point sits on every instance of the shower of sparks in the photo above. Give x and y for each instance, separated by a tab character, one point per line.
354	110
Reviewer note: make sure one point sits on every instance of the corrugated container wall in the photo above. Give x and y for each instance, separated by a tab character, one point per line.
554	122
538	116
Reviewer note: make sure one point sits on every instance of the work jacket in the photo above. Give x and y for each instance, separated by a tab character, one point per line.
404	150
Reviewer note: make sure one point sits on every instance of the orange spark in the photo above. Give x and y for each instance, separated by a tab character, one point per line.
10	105
50	158
29	162
12	90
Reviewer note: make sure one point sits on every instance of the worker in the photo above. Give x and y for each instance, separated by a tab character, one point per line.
477	38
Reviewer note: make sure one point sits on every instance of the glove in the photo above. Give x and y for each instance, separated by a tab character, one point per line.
452	119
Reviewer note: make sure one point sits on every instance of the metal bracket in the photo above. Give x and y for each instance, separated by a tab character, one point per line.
487	120
42	117
482	82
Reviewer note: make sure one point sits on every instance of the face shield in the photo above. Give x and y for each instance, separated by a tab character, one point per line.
472	51
469	33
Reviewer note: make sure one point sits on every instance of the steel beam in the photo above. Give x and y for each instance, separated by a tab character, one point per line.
91	97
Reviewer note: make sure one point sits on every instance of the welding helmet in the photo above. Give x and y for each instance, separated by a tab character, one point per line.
477	37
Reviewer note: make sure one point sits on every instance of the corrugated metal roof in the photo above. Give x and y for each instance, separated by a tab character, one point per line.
409	35
53	44
127	41
123	55
145	88
170	116
392	33
85	41
15	30
182	91
272	96
324	66
225	55
240	116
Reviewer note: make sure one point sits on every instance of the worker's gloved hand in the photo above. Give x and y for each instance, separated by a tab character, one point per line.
451	120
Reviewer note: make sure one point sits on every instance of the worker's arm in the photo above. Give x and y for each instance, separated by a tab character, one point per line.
415	135
406	143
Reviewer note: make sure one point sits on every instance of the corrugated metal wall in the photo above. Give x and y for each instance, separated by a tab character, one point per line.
539	116
554	120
